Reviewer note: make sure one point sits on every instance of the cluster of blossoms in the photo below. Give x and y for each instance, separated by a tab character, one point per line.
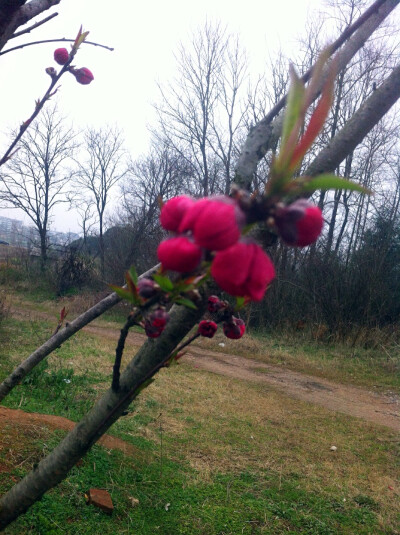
83	75
212	227
233	327
207	236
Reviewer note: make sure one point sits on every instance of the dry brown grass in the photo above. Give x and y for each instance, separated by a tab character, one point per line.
226	425
220	424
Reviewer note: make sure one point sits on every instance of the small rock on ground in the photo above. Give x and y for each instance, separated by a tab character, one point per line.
101	499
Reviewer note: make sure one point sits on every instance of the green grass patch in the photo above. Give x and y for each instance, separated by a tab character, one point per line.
59	392
53	386
174	500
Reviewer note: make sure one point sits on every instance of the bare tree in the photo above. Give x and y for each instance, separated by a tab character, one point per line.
161	174
37	178
103	167
200	113
86	210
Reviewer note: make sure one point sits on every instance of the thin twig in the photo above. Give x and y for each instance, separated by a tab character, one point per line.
61	40
348	32
188	341
148	376
120	349
28	30
39	105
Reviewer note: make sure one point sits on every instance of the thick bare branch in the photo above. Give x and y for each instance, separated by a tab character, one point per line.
367	116
263	135
16	14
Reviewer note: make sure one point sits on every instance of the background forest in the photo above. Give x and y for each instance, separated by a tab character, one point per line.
346	282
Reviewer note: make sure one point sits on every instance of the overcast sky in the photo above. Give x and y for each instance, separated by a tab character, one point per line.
145	36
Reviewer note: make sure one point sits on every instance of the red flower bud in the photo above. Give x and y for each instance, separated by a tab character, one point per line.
179	254
155	322
235	328
299	223
151	331
215	223
147	288
243	270
61	56
207	328
214	304
158	318
173	211
83	75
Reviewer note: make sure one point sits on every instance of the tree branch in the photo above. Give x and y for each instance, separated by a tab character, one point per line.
28	30
61	40
264	134
360	124
18	13
54	342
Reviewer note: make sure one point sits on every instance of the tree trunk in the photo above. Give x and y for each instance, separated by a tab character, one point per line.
332	222
101	245
43	249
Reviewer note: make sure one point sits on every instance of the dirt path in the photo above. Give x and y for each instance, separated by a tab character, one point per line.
374	407
371	406
359	402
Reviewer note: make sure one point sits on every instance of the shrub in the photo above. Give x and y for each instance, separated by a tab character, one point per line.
73	271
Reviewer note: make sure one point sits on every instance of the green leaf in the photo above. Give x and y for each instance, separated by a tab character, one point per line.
329	181
123	293
133	273
240	301
171	362
164	282
183	286
293	108
186	303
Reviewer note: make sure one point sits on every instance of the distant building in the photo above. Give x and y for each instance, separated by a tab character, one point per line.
14	232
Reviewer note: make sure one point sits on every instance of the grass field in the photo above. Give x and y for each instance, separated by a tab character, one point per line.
213	455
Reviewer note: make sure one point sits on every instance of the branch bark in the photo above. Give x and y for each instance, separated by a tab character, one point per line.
16	14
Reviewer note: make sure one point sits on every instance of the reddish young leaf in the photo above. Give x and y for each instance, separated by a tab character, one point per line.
63	315
317	74
316	123
79	39
130	283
